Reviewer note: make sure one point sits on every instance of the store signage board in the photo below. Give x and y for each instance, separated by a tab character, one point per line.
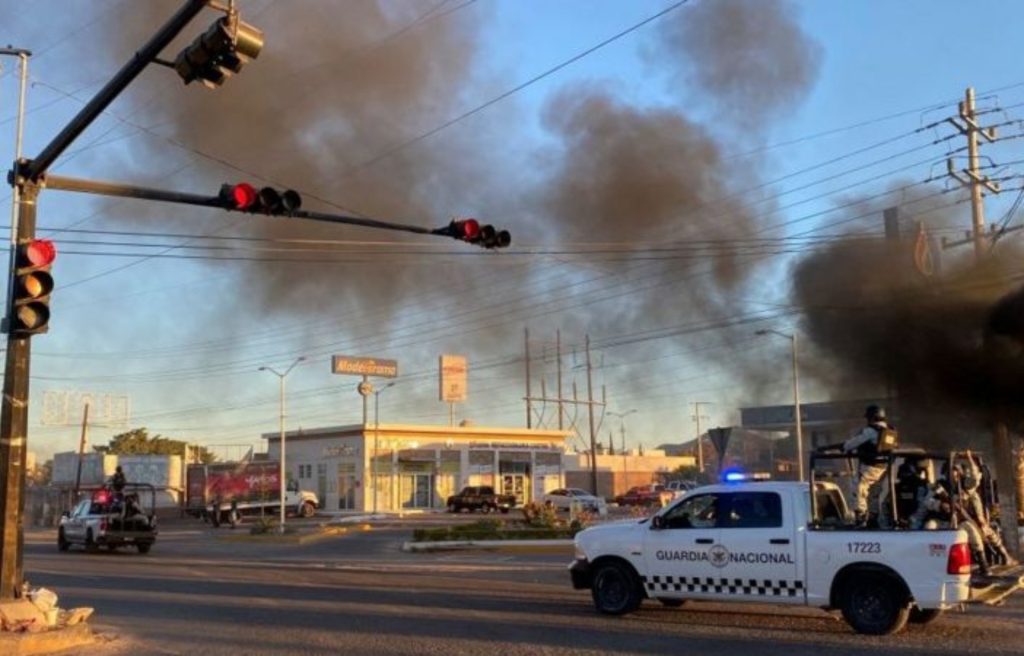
453	372
359	366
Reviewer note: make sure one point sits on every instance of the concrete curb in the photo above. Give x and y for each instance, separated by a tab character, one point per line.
294	538
46	642
517	545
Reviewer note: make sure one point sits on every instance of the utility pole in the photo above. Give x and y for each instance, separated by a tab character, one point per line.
529	407
977	183
590	409
971	177
700	443
558	356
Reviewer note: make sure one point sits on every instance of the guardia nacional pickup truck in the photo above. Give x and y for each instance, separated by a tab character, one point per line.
767	542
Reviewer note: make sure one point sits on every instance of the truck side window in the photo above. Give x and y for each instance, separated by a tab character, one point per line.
699	511
754	510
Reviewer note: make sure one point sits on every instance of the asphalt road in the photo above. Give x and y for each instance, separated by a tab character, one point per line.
359	594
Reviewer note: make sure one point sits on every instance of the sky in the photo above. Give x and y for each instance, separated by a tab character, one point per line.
663	168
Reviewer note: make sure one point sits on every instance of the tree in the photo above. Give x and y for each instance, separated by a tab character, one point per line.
137	442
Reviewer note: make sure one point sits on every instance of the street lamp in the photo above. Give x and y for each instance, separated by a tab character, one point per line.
622	424
282	484
622	431
796	398
376	438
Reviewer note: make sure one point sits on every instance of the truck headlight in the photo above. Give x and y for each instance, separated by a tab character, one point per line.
578	552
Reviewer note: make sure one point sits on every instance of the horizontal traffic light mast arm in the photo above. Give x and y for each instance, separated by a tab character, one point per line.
117	84
65	183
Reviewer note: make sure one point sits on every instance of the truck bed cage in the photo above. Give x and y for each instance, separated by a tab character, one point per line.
890	460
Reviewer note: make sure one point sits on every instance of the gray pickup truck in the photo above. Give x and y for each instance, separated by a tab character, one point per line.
111	519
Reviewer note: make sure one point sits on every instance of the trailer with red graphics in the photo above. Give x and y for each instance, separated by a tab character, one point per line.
224	492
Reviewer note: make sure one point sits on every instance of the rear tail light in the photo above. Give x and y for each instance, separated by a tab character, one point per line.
959	559
103	524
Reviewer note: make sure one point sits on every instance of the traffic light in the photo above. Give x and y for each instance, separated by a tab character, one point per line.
244	197
219	52
30	301
470	230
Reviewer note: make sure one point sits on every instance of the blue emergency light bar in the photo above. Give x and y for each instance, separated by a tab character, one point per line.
740	476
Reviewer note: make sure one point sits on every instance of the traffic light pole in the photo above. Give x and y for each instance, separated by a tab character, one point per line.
14	426
103	188
25	180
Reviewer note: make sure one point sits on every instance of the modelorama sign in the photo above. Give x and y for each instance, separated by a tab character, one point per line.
347	364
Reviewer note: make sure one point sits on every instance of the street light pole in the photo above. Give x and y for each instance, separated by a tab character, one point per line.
796	398
282	485
622	432
376	437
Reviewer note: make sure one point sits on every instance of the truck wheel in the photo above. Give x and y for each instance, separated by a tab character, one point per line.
144	547
616	589
924	616
90	542
62	543
452	508
874	605
485	509
307	510
504	511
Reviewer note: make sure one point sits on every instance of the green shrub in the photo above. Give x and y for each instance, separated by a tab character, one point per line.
540	515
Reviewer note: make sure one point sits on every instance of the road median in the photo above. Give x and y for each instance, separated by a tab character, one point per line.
528	546
299	537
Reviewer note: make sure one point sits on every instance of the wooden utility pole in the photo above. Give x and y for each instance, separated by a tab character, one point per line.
700	442
529	407
593	433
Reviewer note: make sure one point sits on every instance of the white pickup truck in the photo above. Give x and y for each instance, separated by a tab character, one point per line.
760	542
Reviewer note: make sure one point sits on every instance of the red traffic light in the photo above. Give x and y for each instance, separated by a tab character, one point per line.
39	253
466	229
243	197
29	311
240	197
470	230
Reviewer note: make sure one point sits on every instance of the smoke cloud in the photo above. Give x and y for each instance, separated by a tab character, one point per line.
751	56
949	347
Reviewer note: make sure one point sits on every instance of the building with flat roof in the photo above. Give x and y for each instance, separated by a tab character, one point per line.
400	467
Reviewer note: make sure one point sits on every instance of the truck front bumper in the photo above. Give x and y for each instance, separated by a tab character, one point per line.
579	570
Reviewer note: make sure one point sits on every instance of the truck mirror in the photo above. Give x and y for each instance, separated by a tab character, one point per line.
657	522
66	514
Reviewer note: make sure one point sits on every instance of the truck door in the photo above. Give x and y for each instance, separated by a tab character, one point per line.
681	554
760	548
75	526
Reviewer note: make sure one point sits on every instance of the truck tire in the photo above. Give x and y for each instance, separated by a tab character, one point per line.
307	510
452	508
486	509
924	616
62	543
504	511
874	604
144	547
616	589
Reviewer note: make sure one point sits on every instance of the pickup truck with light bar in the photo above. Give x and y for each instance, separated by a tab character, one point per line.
111	519
773	542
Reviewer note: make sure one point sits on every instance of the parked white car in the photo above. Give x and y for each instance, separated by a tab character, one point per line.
566	498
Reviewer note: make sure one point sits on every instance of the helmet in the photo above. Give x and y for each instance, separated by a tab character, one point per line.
874	413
